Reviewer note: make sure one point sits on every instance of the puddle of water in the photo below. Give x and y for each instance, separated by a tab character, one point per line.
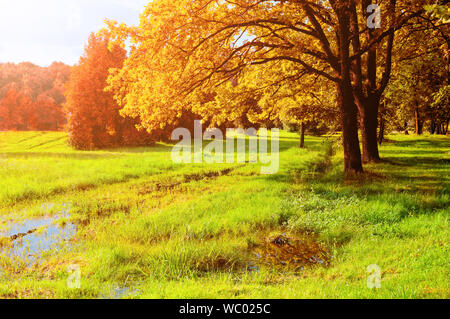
291	252
30	239
121	292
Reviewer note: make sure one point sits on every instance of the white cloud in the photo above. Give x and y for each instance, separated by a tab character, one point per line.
74	18
47	30
41	54
132	4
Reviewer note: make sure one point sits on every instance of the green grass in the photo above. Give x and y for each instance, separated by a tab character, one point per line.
163	230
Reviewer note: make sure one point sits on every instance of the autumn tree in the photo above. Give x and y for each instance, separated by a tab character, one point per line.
17	110
440	111
411	91
241	102
440	11
193	46
275	93
32	96
47	115
311	110
421	69
9	110
93	115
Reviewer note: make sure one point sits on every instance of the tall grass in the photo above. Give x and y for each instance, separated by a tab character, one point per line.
193	231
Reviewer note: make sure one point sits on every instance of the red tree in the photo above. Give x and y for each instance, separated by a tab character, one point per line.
47	115
93	115
15	109
31	97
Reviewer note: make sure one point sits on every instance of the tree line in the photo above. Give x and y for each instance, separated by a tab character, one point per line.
187	54
31	97
322	66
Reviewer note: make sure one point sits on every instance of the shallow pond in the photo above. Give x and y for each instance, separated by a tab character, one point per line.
30	239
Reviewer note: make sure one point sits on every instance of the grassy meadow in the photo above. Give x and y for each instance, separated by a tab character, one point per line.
148	228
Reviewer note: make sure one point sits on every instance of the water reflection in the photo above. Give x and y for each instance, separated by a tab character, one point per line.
31	239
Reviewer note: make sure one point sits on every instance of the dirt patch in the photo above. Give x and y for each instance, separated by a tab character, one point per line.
287	251
167	186
206	175
158	187
218	263
29	294
364	178
101	209
21	235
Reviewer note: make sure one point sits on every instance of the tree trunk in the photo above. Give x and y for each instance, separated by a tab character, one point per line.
418	122
349	111
432	127
369	125
302	135
352	151
438	129
382	128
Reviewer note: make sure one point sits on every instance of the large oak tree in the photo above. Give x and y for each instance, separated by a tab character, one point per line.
184	48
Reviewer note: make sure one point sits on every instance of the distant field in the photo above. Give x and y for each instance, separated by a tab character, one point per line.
148	228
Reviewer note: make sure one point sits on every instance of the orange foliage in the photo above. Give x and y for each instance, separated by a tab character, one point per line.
31	96
93	115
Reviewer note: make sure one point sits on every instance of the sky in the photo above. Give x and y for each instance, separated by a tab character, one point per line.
43	31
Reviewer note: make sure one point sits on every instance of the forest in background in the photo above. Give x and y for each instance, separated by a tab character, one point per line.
31	97
335	221
395	78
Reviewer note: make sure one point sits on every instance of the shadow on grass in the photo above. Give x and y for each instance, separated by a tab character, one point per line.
286	143
432	142
46	155
416	161
388	192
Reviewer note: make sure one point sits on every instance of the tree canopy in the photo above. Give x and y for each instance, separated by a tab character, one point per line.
31	97
183	52
93	115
